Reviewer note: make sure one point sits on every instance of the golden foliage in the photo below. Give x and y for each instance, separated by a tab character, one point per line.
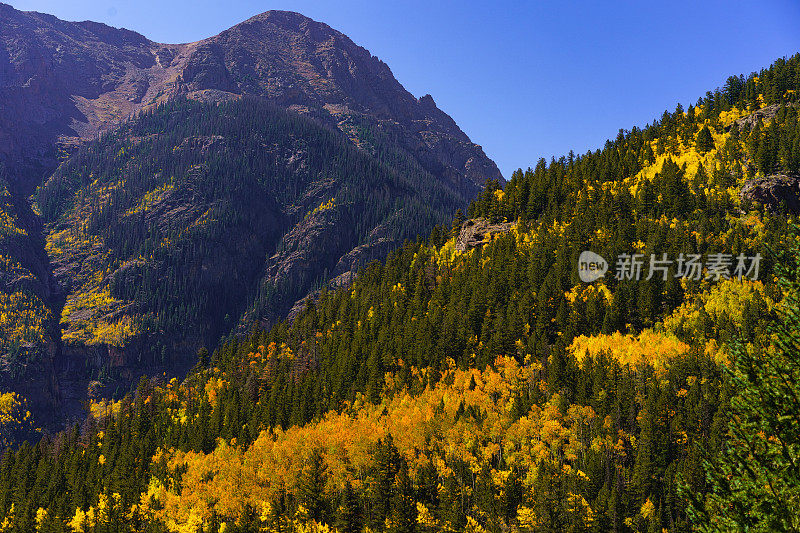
724	301
104	408
85	314
439	423
23	317
8	221
14	417
648	347
91	316
150	198
8	521
99	515
587	293
324	206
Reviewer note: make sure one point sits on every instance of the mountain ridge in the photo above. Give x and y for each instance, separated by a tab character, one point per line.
284	56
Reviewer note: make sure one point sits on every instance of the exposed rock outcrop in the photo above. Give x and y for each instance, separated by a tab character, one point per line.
476	232
774	190
765	113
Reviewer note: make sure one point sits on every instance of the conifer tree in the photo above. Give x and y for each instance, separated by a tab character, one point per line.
404	511
312	486
349	513
755	477
705	141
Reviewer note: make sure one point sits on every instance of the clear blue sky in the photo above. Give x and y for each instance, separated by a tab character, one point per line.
523	79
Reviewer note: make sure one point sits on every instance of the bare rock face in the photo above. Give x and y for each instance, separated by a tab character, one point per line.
63	79
377	246
61	82
765	113
475	232
774	191
315	243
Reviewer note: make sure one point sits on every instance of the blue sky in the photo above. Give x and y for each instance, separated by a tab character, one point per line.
523	79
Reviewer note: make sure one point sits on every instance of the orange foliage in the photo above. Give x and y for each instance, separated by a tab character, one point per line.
467	416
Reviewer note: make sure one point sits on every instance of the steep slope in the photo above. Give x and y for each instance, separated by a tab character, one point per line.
194	217
28	334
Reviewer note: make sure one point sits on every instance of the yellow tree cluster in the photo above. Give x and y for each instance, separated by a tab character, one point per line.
648	347
84	316
104	513
687	156
723	303
8	221
467	417
23	321
14	418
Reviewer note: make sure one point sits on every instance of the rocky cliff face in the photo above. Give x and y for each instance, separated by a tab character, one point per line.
477	232
59	82
775	191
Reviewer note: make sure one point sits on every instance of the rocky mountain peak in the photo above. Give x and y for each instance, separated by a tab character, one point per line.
63	82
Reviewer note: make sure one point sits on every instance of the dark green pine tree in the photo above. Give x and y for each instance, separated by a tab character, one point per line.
312	485
755	477
458	220
705	141
387	465
349	514
404	509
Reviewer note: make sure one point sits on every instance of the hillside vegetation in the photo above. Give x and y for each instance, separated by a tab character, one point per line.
167	232
489	389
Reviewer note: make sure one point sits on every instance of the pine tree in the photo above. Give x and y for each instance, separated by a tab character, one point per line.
404	510
458	220
387	465
705	141
349	513
312	485
755	477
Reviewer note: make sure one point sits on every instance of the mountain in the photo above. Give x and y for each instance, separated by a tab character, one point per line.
184	192
62	82
472	381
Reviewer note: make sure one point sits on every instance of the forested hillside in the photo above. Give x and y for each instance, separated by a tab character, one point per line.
164	233
484	387
190	190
